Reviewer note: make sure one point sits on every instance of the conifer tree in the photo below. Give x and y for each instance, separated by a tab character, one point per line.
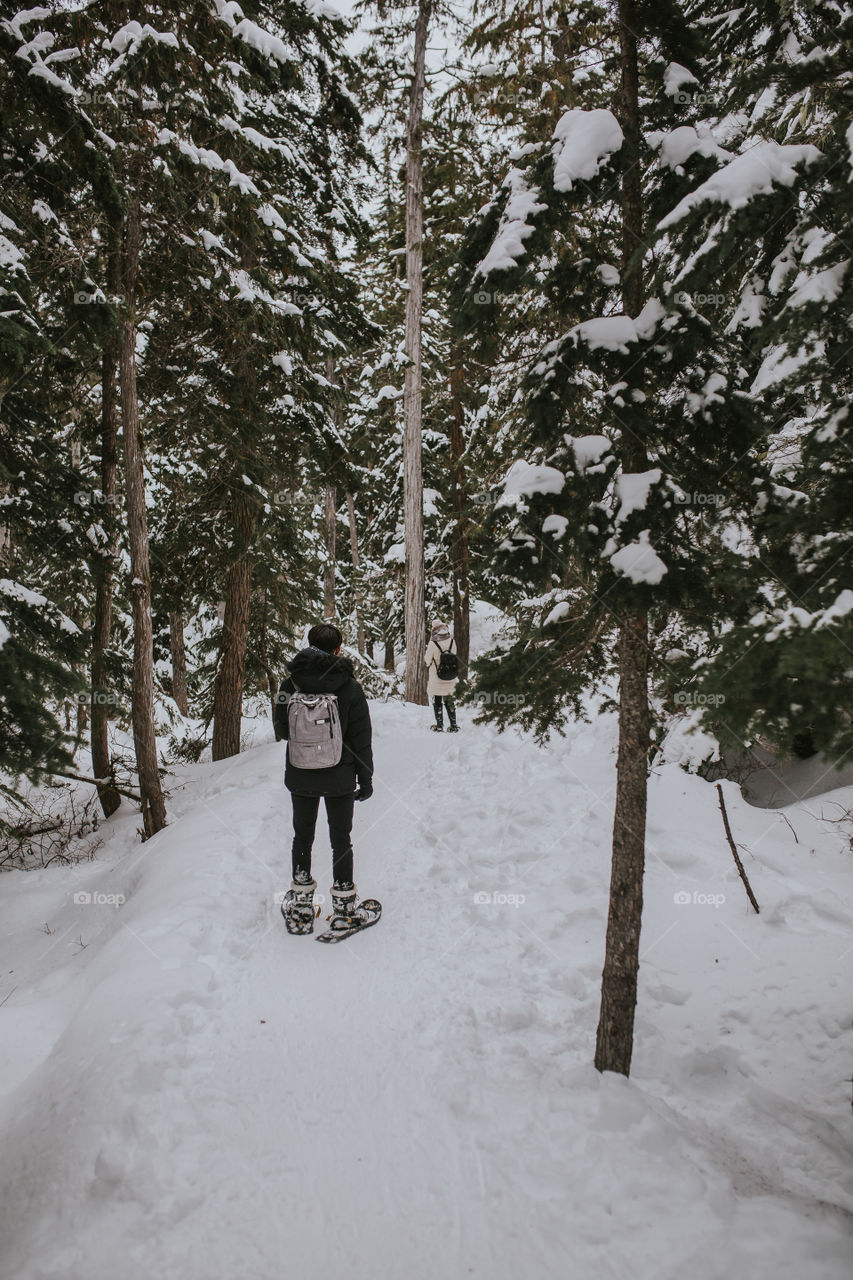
636	403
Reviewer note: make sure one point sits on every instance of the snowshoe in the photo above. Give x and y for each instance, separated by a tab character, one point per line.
348	915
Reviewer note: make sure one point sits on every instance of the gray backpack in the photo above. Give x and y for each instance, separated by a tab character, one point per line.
315	740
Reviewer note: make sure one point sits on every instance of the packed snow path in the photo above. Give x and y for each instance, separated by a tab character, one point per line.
191	1094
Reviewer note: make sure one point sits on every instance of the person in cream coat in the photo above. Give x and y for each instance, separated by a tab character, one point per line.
441	691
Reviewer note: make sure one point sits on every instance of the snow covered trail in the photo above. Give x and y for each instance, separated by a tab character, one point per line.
190	1093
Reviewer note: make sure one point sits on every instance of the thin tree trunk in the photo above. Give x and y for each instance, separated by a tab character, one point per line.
388	661
179	662
356	580
413	486
142	707
103	572
331	521
231	666
231	670
615	1038
459	554
263	657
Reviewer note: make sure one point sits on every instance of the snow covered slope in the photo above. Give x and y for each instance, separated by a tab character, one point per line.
191	1094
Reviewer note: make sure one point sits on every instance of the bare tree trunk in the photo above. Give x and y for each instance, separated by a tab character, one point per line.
179	662
263	657
413	484
104	568
459	555
356	590
231	667
388	661
5	529
144	738
331	529
231	670
615	1038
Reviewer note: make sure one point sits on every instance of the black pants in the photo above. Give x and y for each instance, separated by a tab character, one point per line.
339	811
438	712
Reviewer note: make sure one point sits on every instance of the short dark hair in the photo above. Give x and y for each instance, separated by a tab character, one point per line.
325	636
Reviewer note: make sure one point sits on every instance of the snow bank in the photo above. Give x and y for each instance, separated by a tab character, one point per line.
189	1093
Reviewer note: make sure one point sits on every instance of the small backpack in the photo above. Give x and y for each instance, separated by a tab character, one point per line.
315	739
448	665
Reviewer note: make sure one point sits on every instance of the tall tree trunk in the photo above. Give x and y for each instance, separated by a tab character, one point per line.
263	657
331	521
413	484
179	662
356	581
231	670
388	660
103	568
231	667
142	707
459	554
615	1038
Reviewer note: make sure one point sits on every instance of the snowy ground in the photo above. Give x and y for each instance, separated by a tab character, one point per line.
191	1094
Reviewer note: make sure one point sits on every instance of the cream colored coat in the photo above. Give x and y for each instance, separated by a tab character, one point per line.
438	688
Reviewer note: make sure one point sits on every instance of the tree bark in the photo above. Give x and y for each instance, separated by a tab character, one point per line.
179	662
615	1037
459	554
231	666
231	669
331	520
144	738
356	581
388	660
103	573
413	487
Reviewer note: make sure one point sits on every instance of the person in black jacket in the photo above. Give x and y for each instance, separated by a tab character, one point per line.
322	669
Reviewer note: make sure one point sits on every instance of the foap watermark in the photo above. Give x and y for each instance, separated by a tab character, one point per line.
493	297
499	899
95	498
104	97
700	299
499	698
99	698
699	499
686	698
496	97
97	298
700	99
684	898
281	897
97	899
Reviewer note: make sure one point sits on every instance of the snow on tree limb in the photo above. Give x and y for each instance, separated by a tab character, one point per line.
583	142
751	174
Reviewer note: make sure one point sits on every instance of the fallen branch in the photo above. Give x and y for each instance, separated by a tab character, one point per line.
101	782
733	848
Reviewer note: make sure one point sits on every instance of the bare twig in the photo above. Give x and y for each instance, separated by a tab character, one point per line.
796	837
733	848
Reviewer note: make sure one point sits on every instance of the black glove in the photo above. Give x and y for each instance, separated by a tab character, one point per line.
365	791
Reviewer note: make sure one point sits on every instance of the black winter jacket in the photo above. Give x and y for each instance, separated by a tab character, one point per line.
317	672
